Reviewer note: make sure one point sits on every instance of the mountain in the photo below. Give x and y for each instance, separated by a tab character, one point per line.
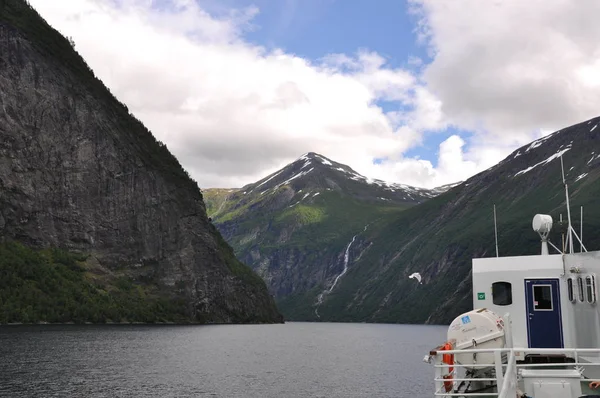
93	210
356	267
294	226
314	172
439	238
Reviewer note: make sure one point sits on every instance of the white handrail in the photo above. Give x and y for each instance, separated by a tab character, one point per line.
509	386
505	373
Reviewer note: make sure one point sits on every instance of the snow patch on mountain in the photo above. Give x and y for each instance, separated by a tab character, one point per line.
551	158
324	161
594	157
537	143
302	173
269	179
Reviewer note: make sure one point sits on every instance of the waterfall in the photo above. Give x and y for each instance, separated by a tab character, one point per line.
337	278
346	255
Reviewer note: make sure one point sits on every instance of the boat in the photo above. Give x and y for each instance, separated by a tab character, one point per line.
534	330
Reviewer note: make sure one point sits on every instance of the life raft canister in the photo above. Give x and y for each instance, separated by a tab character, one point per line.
448	359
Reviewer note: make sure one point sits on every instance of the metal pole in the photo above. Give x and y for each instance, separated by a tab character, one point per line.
496	230
562	235
581	231
569	231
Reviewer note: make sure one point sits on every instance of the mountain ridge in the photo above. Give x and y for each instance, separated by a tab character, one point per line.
437	237
80	173
440	237
310	161
293	225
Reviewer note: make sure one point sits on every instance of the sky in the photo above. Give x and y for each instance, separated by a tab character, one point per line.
420	92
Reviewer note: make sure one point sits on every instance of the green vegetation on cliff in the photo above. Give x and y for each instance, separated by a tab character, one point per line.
438	237
295	234
55	286
81	173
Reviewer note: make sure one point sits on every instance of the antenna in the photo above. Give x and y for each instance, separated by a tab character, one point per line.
495	230
570	229
562	235
581	231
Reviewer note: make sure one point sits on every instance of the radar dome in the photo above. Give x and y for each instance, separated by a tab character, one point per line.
542	223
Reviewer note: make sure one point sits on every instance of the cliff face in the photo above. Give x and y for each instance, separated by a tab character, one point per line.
77	171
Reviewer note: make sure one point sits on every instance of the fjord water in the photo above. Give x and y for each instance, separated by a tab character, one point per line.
291	360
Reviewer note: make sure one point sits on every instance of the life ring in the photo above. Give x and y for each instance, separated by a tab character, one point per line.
448	359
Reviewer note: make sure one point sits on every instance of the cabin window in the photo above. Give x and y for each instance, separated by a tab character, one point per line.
502	293
580	289
542	297
570	290
590	288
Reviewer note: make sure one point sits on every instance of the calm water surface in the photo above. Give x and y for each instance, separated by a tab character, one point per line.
291	360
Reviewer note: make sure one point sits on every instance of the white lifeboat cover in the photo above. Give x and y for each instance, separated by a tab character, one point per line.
480	328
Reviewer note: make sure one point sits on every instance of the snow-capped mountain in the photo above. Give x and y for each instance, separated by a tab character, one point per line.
348	254
292	225
312	173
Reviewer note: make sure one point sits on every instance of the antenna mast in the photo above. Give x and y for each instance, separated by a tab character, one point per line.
570	229
581	231
562	235
496	230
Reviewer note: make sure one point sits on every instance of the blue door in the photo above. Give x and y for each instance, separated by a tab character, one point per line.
544	320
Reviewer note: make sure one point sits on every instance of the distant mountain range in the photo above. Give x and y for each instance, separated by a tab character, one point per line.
334	245
294	226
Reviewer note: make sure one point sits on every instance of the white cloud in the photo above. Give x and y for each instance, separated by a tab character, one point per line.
509	72
452	166
507	69
233	112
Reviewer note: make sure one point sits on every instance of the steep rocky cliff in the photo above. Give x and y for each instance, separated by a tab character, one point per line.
77	171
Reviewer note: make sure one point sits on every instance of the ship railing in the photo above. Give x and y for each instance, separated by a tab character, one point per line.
509	384
506	371
503	371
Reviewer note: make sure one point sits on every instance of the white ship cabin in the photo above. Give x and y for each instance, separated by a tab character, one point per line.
534	330
551	298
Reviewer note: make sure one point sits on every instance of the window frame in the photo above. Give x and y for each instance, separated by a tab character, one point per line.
571	290
590	289
580	290
533	296
504	285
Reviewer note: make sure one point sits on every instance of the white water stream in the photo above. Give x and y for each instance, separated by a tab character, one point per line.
346	257
337	278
